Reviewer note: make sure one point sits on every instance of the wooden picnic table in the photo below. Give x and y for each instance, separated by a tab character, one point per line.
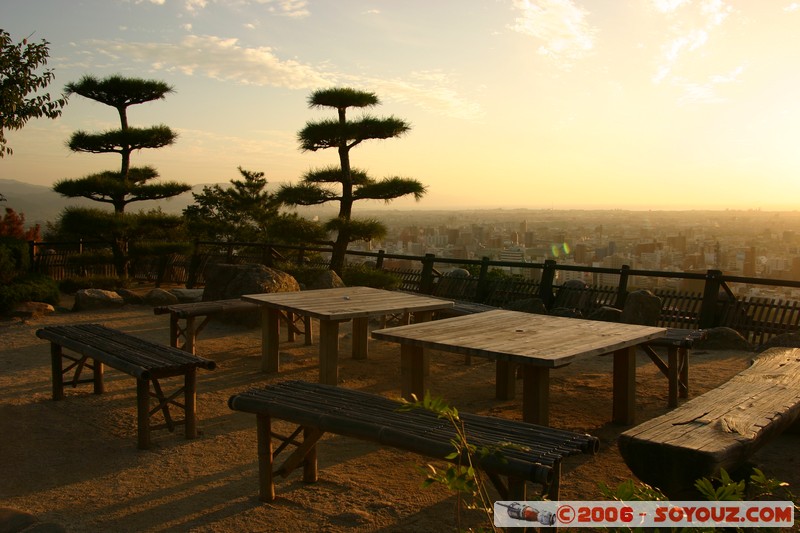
331	307
536	342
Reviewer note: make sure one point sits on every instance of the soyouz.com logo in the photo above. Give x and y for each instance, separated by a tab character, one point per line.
643	514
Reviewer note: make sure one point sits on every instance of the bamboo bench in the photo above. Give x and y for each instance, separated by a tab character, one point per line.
719	429
535	455
148	362
189	330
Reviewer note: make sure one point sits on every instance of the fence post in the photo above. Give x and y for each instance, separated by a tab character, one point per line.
546	283
426	278
708	309
482	290
622	288
194	265
32	257
379	260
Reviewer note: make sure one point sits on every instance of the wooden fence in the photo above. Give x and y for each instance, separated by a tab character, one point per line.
756	318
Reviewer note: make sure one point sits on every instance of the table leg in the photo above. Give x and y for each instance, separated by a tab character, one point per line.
536	394
360	338
683	361
624	403
505	381
673	376
329	352
270	339
414	371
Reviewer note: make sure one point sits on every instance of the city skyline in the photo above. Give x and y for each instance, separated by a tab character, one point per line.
661	104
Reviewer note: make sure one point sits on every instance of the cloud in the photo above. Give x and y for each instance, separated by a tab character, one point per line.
227	60
706	92
794	6
559	24
287	8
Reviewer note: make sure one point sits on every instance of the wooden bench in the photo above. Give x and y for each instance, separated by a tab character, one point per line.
146	361
678	342
189	330
317	408
719	429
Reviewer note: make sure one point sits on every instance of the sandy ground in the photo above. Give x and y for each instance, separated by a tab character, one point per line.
75	462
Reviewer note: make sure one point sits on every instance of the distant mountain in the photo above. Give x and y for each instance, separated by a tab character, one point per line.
41	204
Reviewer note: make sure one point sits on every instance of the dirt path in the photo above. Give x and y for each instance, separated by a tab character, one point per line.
75	462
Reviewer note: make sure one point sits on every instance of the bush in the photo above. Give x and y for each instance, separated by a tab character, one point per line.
366	276
14	259
33	287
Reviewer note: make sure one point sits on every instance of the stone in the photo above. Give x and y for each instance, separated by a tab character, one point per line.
27	310
12	520
130	297
90	299
527	305
567	312
606	313
160	297
642	307
573	294
723	339
186	296
224	282
327	280
785	340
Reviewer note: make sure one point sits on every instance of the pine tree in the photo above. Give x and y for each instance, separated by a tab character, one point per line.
345	184
128	184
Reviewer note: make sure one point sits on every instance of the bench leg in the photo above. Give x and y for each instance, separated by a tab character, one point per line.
174	330
266	486
97	377
143	413
190	402
310	468
58	373
190	335
683	361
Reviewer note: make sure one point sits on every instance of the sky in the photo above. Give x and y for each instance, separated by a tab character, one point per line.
542	104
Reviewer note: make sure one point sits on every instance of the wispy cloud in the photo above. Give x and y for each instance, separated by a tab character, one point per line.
560	25
687	38
794	6
287	8
707	91
228	60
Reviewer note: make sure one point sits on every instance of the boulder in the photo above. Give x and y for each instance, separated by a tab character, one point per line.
527	305
160	297
27	310
785	340
723	339
131	297
187	296
567	312
642	307
573	294
90	299
224	282
327	280
606	313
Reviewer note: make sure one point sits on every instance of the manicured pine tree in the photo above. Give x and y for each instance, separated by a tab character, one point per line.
128	184
344	184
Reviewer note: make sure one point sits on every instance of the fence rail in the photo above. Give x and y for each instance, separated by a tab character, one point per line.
756	318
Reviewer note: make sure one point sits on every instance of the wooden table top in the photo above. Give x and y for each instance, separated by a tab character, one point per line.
348	302
514	336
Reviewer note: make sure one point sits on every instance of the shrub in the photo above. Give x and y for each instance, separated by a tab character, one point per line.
14	259
366	276
33	287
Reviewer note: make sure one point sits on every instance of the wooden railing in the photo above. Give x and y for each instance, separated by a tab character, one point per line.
756	318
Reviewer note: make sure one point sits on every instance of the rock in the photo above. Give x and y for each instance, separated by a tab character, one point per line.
568	312
327	280
572	295
12	520
26	310
186	296
130	297
723	339
527	305
224	282
90	299
785	340
160	297
606	313
642	307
